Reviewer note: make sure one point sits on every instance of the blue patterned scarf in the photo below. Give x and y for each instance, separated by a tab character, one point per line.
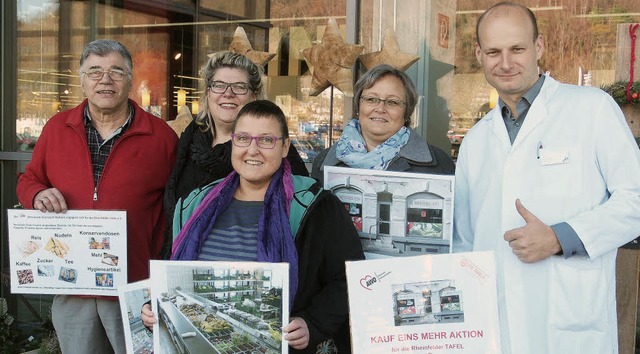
352	150
275	240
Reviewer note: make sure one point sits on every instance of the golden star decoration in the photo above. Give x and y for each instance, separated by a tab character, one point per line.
240	44
331	61
389	54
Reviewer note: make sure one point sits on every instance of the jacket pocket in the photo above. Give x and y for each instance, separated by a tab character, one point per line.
577	295
561	179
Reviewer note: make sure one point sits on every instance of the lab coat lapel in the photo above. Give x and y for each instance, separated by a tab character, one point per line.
498	128
538	111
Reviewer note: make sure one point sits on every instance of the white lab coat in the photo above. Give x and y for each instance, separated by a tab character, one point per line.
556	305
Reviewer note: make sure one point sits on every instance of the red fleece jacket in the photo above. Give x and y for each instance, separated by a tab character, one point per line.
133	179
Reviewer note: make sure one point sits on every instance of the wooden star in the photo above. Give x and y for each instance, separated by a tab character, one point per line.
182	120
240	44
331	61
389	54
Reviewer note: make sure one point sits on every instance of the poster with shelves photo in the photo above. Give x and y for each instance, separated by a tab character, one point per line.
447	303
80	252
132	296
396	214
219	307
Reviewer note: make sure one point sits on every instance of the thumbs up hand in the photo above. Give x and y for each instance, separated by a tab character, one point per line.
534	241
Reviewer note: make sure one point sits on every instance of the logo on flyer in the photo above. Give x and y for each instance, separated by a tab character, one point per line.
369	280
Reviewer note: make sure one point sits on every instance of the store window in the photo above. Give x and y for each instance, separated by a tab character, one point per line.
424	215
450	299
169	43
587	43
405	303
351	198
453	92
51	36
426	29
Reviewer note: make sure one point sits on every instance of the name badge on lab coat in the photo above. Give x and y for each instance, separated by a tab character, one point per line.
548	157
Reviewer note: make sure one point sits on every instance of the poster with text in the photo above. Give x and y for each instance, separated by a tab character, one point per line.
80	252
396	213
432	304
219	307
138	338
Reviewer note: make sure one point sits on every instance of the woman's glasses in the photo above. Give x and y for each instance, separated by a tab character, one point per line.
375	101
263	141
238	88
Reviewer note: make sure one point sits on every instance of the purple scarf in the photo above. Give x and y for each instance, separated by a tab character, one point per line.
275	241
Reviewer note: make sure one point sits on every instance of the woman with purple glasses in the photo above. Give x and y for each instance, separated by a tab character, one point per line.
256	214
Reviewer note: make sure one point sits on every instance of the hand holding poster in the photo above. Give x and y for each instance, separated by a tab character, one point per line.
424	304
80	252
132	296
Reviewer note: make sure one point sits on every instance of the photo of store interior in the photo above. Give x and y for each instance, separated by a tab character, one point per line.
220	310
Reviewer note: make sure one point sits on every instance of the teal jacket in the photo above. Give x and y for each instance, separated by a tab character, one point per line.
305	192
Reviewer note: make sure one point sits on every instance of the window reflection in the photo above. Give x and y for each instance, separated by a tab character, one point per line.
168	48
51	35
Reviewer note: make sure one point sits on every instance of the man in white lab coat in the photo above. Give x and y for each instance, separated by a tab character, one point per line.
550	181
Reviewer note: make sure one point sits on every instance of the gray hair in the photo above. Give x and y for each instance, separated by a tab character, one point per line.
376	73
226	59
103	47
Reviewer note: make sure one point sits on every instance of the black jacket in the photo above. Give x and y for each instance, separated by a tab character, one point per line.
322	299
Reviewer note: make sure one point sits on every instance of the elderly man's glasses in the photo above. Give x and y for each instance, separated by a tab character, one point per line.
238	88
375	101
114	74
263	141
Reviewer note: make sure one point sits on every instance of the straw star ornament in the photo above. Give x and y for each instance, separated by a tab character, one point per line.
389	54
331	61
240	44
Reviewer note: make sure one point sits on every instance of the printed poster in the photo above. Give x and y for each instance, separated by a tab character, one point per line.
396	214
219	307
80	252
432	304
132	296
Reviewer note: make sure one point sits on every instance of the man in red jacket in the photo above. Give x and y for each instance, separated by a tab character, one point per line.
107	153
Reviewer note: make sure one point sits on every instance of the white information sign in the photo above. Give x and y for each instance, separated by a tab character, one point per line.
428	304
80	252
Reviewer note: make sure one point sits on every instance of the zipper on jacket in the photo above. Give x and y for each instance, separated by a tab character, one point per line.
127	134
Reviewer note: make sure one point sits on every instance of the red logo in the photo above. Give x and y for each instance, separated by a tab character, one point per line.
367	281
